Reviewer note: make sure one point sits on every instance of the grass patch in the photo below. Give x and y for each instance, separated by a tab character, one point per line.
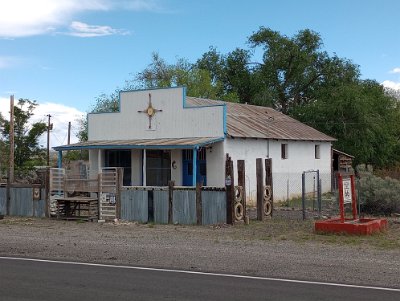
299	231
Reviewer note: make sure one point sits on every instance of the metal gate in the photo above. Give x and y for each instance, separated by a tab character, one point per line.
311	192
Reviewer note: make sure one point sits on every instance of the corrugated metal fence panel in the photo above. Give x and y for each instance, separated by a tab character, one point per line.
161	206
134	205
214	207
39	207
184	207
3	203
21	201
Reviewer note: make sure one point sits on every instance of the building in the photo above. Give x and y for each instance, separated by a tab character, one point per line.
161	135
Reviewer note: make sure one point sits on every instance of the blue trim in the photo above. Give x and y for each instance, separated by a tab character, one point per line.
59	163
141	172
194	179
224	129
183	97
116	146
224	121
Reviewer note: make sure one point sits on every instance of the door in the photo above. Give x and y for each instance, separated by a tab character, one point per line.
158	167
187	164
120	158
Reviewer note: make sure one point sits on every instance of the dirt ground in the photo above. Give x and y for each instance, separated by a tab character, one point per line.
279	247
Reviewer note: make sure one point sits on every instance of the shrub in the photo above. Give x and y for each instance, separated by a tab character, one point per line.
378	195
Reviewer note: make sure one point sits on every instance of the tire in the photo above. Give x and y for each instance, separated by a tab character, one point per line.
267	193
238	211
238	193
267	208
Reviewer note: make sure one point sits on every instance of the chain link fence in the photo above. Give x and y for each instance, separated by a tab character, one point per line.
375	195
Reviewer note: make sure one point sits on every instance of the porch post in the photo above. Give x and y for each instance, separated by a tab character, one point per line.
59	159
99	160
194	178
144	164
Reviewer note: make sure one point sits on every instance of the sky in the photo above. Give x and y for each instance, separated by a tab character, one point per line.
65	53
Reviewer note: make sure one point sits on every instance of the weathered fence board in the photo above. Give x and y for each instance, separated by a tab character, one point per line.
184	207
134	205
161	206
39	206
3	202
21	201
214	207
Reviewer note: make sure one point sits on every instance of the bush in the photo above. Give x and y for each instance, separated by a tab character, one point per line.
378	195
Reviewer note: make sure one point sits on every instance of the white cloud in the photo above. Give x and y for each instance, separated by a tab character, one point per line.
61	115
20	18
8	62
83	30
395	70
392	85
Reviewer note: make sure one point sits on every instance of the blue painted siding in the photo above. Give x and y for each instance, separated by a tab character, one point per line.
3	194
184	207
161	206
214	207
21	201
134	205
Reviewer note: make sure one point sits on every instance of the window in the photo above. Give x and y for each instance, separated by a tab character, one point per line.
284	151
317	151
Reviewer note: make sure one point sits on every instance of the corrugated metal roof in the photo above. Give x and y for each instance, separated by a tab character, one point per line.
165	143
249	121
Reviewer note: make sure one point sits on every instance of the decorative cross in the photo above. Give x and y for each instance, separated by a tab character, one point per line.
150	111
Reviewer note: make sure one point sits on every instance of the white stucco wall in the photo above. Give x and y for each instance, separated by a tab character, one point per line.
96	160
286	172
216	165
136	160
174	121
176	174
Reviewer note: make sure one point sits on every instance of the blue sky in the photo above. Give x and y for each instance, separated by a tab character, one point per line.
64	53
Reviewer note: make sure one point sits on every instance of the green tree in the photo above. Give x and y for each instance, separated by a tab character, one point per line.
361	117
27	153
293	68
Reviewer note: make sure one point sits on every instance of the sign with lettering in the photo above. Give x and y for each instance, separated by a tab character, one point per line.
347	197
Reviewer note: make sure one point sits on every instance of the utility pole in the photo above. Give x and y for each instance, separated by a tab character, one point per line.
10	176
11	133
69	133
49	127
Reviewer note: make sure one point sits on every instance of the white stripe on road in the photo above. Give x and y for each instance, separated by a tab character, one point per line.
204	273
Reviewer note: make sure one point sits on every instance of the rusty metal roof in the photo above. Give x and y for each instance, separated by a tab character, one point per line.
165	143
249	121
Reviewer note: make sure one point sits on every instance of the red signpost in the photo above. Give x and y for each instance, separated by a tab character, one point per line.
347	195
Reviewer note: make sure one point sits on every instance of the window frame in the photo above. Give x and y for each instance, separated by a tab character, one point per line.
317	151
284	151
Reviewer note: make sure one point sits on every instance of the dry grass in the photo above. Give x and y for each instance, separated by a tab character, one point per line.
303	232
275	229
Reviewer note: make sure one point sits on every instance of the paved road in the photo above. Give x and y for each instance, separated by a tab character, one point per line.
22	279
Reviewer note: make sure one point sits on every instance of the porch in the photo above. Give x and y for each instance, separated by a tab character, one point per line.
155	162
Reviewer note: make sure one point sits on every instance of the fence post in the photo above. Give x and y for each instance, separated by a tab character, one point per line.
242	182
260	189
303	194
269	182
319	199
171	185
230	189
199	204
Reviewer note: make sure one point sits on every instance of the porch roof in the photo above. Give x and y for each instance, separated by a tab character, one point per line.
162	143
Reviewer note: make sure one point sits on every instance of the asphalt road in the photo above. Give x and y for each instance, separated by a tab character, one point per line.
22	279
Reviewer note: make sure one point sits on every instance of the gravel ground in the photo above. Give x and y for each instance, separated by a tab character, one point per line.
275	248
